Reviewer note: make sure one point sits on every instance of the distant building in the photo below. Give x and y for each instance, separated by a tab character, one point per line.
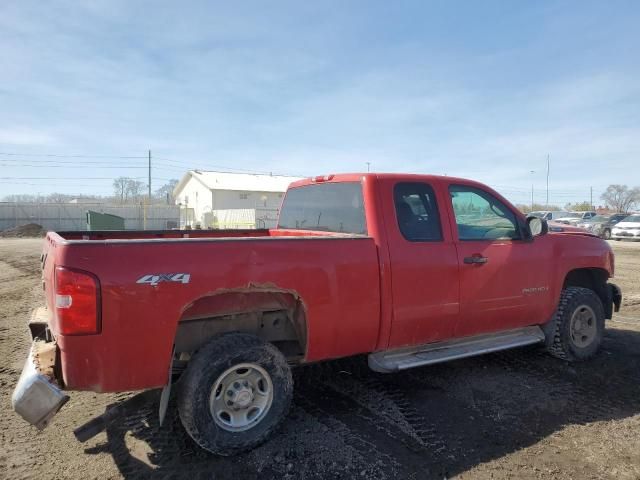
230	200
88	200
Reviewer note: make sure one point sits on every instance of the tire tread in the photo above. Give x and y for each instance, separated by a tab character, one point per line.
221	346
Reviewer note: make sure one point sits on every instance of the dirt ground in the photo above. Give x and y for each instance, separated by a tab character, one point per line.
517	414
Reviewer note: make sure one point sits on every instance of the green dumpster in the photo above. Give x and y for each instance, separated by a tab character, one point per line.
104	221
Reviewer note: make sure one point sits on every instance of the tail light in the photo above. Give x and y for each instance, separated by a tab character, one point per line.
77	302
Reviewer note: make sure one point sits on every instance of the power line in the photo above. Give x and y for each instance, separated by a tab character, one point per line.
30	165
63	178
65	156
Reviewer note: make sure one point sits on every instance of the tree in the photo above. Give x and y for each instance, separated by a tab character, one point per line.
621	198
17	198
537	207
135	189
579	207
120	189
165	192
127	189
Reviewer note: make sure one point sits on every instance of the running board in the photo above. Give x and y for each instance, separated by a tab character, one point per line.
402	359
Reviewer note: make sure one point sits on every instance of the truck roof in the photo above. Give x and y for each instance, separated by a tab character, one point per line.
356	177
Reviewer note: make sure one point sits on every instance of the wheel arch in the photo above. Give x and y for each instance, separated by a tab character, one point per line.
273	314
594	279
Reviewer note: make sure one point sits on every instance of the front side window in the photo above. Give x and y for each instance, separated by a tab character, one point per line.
417	212
481	216
326	207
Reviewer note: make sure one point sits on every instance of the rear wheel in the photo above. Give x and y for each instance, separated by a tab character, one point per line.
576	330
234	394
606	234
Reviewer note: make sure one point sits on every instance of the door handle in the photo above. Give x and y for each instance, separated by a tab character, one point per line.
476	259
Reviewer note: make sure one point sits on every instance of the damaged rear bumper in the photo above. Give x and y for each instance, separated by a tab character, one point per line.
37	396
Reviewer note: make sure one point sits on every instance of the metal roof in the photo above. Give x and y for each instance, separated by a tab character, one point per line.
253	182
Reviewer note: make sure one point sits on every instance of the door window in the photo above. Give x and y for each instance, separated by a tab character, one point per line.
417	212
481	216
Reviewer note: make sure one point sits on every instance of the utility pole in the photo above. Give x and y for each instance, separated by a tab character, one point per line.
368	166
547	204
148	201
532	172
591	201
532	197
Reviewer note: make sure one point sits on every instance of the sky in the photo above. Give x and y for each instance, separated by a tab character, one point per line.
483	90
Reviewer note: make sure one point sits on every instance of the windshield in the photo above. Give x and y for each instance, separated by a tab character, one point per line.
632	219
598	218
327	207
573	215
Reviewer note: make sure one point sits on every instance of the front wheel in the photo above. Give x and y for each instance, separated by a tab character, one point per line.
576	330
234	393
606	234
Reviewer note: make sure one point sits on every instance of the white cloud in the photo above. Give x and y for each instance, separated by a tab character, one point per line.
23	136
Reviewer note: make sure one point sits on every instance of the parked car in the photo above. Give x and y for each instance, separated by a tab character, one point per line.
549	214
555	226
358	264
573	218
601	225
628	228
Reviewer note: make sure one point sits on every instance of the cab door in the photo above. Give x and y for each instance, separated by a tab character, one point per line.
424	265
504	278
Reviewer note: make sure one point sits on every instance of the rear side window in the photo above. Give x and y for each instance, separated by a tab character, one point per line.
481	216
326	207
417	212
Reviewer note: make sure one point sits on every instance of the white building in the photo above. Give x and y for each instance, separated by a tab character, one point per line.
230	200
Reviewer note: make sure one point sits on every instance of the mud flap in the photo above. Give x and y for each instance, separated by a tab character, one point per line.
614	300
166	392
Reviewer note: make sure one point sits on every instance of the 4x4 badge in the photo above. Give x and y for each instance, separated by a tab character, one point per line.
156	278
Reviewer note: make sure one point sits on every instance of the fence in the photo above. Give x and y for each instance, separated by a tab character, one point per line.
73	216
241	218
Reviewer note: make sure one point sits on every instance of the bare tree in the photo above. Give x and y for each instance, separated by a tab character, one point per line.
135	189
621	198
120	189
165	192
127	189
58	198
27	198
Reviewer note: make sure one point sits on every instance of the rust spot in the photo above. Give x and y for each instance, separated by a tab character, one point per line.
44	358
254	297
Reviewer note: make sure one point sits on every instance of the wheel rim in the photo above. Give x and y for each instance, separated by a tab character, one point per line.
241	397
583	326
607	234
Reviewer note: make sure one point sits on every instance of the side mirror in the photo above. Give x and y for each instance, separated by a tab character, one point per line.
537	226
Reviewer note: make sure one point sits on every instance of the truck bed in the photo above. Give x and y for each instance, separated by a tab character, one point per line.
335	276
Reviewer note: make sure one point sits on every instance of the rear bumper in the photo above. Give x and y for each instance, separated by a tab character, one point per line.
37	396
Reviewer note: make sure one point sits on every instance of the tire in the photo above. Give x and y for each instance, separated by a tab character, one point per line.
221	365
606	234
576	330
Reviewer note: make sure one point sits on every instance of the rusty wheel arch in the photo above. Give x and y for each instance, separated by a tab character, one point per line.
274	314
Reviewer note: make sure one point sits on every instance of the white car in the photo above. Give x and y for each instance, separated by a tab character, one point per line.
573	218
549	215
627	228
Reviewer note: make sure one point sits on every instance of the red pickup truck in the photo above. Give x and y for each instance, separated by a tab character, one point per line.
409	269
